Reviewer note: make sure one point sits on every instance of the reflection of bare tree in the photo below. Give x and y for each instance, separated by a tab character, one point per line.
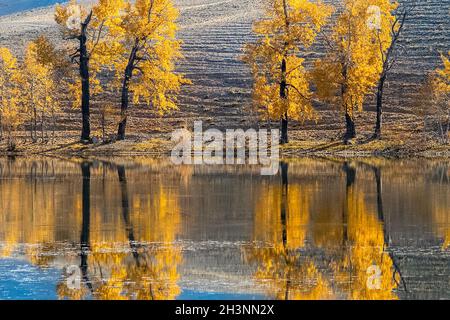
86	219
365	244
381	217
284	194
126	211
350	176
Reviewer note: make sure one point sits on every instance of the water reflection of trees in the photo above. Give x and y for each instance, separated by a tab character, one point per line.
316	232
147	268
125	247
310	250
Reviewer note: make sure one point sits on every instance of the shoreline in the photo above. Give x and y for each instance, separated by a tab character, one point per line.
158	146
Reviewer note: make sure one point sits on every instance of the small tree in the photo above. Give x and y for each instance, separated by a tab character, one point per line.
150	50
10	106
435	99
281	83
37	87
352	66
389	57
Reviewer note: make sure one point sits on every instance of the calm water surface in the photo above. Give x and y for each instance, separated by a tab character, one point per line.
145	229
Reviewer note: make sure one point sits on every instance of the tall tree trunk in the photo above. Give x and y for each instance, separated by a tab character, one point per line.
379	183
379	123
283	95
84	74
34	123
42	126
350	132
53	125
125	93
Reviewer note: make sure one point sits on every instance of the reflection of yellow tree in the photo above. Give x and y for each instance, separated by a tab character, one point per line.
440	216
447	240
29	216
281	219
350	241
365	247
137	257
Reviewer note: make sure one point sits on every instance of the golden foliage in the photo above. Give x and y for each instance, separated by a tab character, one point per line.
366	248
349	247
149	48
353	64
10	106
100	21
284	272
288	29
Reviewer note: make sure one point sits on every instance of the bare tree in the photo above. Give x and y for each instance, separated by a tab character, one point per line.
389	58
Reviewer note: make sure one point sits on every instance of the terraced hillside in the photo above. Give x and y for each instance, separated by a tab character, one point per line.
214	33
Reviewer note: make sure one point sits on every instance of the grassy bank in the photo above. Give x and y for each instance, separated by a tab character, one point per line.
299	146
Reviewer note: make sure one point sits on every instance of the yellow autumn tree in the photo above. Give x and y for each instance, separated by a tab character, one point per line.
56	61
10	105
38	88
281	82
352	66
440	97
395	21
92	27
150	50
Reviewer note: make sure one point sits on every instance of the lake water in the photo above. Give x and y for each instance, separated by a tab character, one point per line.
145	229
13	6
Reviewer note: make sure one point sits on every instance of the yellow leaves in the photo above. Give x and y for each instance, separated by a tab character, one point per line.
37	78
434	98
446	243
298	29
107	12
148	28
442	77
283	35
8	61
9	91
286	274
356	53
149	18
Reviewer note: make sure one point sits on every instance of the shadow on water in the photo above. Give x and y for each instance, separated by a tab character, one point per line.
86	221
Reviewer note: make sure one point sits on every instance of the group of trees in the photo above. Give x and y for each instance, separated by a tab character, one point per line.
122	46
133	39
360	43
28	89
130	48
